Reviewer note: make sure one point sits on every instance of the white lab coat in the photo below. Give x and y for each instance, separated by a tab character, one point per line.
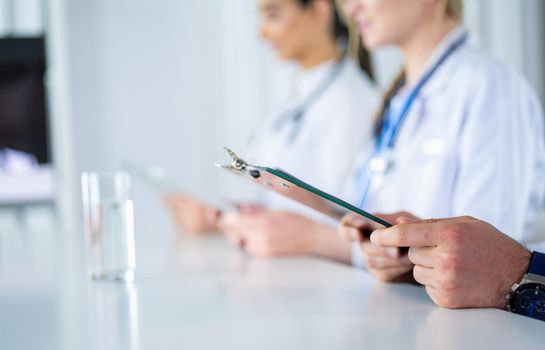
472	144
333	131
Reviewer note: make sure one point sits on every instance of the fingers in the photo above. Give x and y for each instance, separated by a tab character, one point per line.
353	227
391	218
256	242
390	274
183	206
371	249
212	217
406	219
424	275
172	201
250	209
349	233
397	218
174	197
258	248
166	200
424	256
421	234
189	215
235	239
387	264
229	224
354	220
246	227
229	221
380	262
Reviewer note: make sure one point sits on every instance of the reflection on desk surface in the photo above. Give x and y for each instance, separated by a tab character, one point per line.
200	293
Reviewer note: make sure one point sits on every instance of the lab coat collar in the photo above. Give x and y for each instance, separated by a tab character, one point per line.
306	81
442	76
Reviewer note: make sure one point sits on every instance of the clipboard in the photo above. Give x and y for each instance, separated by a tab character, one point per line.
158	180
281	182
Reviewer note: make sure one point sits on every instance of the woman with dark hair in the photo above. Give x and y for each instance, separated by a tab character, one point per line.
325	122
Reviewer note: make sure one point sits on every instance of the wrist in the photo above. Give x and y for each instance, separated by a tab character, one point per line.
518	268
315	240
327	244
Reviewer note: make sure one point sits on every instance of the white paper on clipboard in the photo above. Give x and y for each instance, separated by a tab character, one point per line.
158	180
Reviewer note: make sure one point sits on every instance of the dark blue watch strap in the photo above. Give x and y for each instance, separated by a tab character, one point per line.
537	264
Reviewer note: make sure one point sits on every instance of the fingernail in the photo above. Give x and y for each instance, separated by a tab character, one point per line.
393	252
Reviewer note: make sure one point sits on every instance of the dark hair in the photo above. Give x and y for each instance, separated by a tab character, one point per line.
342	34
379	119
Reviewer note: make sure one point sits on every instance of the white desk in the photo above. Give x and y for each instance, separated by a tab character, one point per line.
20	189
202	294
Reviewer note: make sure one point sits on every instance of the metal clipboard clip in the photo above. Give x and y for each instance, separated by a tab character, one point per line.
239	166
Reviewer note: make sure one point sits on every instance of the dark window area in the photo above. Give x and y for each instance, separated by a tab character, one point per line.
23	110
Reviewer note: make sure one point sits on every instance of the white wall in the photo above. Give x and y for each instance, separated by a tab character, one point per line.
147	83
21	17
514	31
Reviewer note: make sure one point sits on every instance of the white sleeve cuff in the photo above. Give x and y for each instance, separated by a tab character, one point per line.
538	247
357	256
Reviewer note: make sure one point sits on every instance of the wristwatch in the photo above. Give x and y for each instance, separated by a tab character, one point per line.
528	296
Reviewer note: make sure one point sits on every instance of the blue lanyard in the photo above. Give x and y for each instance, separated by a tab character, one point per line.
392	124
391	127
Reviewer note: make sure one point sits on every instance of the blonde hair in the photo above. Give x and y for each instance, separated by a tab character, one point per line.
354	46
354	38
450	8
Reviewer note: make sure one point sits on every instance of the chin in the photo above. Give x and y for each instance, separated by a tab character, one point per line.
283	56
371	42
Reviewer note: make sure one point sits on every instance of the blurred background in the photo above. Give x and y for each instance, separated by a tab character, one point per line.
88	85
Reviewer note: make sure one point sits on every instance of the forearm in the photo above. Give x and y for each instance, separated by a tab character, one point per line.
328	245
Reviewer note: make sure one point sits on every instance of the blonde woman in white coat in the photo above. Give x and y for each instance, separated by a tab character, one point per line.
460	133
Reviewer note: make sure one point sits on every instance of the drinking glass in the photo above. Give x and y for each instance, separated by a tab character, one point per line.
109	226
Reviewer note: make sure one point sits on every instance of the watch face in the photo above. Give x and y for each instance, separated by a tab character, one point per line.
529	300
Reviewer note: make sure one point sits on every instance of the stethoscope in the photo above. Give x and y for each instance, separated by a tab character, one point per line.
295	116
381	161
